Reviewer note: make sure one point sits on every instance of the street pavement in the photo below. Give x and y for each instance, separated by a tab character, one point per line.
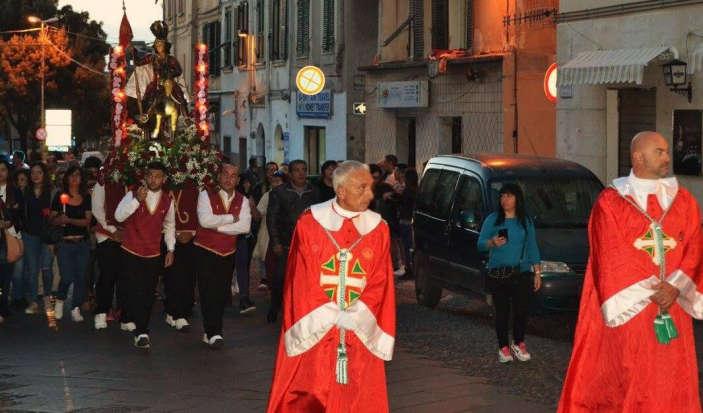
78	369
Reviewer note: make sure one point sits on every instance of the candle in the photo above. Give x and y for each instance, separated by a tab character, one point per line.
64	200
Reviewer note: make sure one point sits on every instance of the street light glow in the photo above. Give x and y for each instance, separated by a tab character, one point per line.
34	19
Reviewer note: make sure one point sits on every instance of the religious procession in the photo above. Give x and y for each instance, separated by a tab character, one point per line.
369	206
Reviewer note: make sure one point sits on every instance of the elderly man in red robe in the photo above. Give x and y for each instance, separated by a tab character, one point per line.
338	305
634	349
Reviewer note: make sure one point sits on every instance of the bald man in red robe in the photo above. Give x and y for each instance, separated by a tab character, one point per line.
644	263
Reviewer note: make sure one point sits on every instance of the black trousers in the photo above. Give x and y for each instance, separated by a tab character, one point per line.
279	275
111	277
214	280
142	275
242	260
516	291
179	281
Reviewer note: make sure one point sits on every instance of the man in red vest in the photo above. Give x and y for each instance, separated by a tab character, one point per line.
222	215
106	195
146	213
179	281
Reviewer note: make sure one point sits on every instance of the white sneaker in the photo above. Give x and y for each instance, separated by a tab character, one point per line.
520	351
142	341
76	315
100	321
215	342
400	271
170	321
504	355
58	309
128	326
32	309
182	324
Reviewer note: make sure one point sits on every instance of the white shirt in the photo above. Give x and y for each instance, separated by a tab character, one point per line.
3	196
665	189
130	204
98	209
331	216
224	223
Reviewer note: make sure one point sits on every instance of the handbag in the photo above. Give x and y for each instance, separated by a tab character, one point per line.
15	247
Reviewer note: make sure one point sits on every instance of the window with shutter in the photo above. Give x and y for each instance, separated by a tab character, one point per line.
469	24
260	10
242	27
181	6
227	47
283	18
275	30
217	42
328	26
440	24
418	26
303	30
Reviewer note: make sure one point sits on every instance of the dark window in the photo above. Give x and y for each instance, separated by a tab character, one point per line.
687	142
279	30
436	192
242	27
228	37
328	26
260	12
211	37
456	134
181	6
427	189
440	24
303	30
418	26
469	197
469	24
227	144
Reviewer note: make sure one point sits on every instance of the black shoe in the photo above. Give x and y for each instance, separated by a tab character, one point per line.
246	306
272	316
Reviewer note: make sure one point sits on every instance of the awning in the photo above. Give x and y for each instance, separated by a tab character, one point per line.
609	66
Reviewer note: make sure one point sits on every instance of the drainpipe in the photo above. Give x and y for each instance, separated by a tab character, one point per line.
515	110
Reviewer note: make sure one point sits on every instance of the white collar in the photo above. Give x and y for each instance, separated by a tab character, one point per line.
331	216
665	189
225	196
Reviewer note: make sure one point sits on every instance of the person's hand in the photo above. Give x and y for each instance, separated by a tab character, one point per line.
184	237
665	296
61	219
278	249
117	235
142	193
498	241
168	261
538	281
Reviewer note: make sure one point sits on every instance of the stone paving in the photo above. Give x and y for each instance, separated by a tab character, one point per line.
78	369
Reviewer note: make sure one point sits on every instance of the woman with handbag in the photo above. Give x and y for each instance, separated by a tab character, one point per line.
71	210
513	270
37	236
9	238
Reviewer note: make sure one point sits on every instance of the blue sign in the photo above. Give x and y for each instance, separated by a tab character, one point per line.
314	107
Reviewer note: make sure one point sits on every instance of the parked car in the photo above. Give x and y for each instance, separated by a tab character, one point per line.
457	192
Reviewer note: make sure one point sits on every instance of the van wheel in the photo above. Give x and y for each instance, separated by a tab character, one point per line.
427	291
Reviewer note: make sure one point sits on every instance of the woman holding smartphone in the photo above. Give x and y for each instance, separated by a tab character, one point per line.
513	269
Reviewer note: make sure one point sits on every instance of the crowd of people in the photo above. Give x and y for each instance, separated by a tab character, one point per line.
94	248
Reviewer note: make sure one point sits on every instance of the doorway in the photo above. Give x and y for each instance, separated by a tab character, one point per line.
405	148
637	112
315	148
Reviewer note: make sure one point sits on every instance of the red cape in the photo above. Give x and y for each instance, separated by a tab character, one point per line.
617	363
304	379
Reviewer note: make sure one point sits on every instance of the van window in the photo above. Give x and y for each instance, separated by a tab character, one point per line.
444	194
556	202
437	192
469	198
425	201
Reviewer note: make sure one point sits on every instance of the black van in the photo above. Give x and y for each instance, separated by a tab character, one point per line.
457	192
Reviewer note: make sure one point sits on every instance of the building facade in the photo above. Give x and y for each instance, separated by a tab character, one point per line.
612	83
460	76
257	48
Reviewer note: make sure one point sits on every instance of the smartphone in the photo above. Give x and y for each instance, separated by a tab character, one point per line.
503	233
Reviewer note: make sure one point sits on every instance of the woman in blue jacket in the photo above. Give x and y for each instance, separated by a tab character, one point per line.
513	268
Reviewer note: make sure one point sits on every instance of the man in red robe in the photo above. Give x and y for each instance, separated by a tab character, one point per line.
338	305
645	242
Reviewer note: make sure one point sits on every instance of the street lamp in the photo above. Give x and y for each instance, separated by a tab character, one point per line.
675	78
42	40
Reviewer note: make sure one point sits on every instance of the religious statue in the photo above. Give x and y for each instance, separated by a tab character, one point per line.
157	85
